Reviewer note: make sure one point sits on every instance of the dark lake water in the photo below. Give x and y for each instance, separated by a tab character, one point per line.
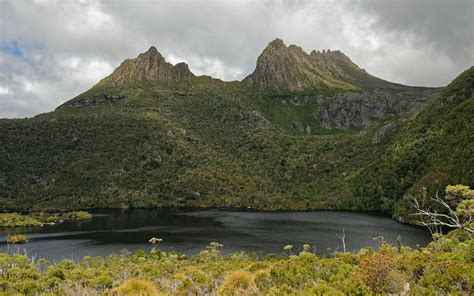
191	231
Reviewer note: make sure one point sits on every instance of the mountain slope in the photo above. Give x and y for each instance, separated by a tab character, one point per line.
432	150
153	134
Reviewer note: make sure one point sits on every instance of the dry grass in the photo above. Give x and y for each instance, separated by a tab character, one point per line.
239	282
136	287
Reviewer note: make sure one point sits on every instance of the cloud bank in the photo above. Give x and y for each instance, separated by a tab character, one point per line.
51	51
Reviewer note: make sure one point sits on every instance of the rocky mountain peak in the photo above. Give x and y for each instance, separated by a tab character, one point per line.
148	66
276	43
278	67
332	57
282	67
151	54
152	50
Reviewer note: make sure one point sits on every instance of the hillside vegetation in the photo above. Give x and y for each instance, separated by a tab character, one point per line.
432	150
154	134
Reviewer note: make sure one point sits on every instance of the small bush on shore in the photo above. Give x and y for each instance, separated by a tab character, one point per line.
18	220
77	215
17	239
40	218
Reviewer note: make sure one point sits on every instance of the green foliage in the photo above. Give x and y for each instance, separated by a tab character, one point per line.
174	147
212	251
193	144
39	218
17	220
77	215
446	266
432	150
17	239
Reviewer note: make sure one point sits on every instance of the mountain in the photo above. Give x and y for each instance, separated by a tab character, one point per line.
301	132
290	68
148	66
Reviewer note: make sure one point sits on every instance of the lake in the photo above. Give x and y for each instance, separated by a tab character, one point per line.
190	231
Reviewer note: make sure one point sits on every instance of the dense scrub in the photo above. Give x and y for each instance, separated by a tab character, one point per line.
179	147
432	150
446	266
39	218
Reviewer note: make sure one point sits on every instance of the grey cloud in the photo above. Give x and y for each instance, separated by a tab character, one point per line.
70	45
446	25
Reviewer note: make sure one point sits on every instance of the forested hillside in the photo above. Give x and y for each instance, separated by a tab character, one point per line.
154	134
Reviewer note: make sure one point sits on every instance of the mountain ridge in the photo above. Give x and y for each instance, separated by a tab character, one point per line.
279	67
347	96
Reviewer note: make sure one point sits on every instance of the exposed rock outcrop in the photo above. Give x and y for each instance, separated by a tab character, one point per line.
347	110
298	126
360	109
94	100
256	120
384	131
151	66
253	119
282	67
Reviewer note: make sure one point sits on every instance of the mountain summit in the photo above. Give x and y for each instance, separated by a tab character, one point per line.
148	66
282	67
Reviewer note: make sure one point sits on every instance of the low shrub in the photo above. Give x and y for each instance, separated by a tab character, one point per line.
18	220
17	239
239	281
136	287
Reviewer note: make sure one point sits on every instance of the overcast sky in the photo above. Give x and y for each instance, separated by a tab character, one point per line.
51	51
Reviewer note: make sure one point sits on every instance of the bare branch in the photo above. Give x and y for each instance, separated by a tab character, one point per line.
342	237
434	220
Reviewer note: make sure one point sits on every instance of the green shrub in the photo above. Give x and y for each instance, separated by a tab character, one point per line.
17	239
17	220
444	267
40	218
77	215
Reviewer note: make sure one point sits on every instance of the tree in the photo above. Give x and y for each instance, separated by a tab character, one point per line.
342	237
456	210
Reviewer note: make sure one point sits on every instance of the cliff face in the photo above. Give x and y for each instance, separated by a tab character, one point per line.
361	109
148	66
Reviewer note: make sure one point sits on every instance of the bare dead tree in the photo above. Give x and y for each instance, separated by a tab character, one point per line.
435	220
342	237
